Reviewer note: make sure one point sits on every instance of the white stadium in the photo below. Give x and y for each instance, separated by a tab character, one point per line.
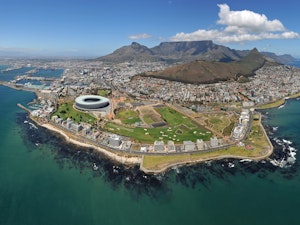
91	103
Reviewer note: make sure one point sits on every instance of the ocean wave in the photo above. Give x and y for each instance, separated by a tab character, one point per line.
287	154
287	142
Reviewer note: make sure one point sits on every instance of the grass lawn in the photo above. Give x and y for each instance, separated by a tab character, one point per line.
256	137
189	130
104	92
227	130
128	116
174	118
220	122
66	110
150	116
162	133
160	162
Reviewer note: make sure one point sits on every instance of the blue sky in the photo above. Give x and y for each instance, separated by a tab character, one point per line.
97	27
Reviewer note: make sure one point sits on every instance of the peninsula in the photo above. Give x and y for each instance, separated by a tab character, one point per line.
151	122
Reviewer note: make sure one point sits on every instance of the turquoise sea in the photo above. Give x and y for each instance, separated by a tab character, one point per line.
44	181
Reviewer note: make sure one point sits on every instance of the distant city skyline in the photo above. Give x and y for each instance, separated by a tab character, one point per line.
91	28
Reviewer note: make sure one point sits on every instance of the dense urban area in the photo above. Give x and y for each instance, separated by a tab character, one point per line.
128	90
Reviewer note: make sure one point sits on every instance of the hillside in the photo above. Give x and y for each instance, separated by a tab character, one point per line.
182	52
133	52
173	52
197	72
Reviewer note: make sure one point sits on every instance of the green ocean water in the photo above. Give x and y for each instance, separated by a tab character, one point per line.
45	181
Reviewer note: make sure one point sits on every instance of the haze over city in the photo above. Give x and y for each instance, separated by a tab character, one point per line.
95	28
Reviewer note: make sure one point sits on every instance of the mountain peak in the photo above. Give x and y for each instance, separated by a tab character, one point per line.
135	44
181	51
254	50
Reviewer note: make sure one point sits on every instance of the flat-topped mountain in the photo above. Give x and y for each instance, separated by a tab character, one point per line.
197	72
194	50
182	52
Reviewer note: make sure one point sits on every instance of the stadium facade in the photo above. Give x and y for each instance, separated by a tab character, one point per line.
91	103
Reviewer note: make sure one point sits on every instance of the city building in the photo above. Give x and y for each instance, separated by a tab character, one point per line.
76	127
114	140
188	146
200	144
214	142
171	146
159	146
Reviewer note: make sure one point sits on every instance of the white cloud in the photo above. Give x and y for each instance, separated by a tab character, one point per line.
248	20
197	35
240	26
140	36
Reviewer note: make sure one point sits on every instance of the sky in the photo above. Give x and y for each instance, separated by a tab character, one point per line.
92	28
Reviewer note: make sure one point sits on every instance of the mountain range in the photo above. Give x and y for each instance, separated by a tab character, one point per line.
199	71
183	52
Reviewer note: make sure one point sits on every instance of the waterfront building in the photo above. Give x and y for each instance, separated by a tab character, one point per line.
200	144
126	145
114	140
178	148
214	142
159	146
248	104
237	132
86	130
54	118
220	141
171	146
188	146
57	119
76	127
143	149
245	117
95	135
68	123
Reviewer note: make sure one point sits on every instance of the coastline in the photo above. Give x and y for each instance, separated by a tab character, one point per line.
182	160
203	157
278	103
131	159
127	160
192	162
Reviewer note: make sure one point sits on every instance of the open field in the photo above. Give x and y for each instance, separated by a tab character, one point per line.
149	135
149	115
128	116
219	122
179	128
66	110
174	118
103	92
256	137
